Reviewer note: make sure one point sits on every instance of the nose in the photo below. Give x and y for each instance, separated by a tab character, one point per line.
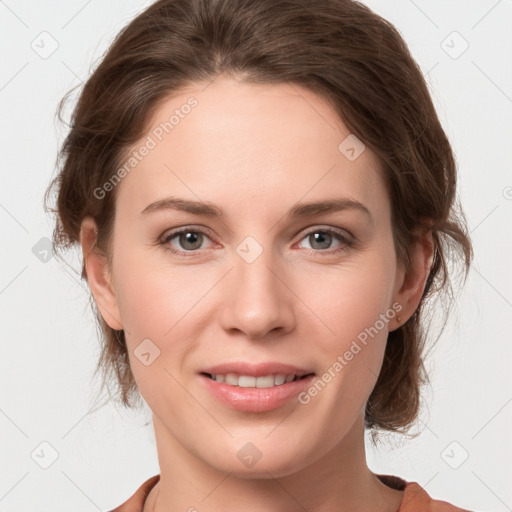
259	300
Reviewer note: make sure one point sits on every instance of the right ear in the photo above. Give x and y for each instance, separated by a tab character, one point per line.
98	275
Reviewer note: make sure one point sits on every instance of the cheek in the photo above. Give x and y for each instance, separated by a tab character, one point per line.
353	303
153	306
160	303
351	355
350	298
146	304
153	296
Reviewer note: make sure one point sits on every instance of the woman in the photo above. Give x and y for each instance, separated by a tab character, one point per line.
264	197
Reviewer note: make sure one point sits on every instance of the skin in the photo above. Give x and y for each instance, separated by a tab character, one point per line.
255	151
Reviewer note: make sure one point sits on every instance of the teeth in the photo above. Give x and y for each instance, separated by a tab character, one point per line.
280	379
247	381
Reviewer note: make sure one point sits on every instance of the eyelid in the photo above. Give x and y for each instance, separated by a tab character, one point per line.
171	233
319	227
209	232
345	237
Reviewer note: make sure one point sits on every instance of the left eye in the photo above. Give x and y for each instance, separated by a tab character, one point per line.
191	240
318	236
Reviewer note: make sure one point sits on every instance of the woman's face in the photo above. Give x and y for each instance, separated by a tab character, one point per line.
318	290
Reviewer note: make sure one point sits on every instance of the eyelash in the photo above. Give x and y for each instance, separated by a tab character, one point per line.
347	243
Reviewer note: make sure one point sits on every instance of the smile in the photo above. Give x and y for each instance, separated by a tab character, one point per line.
249	381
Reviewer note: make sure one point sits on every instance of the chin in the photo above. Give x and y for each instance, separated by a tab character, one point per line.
250	462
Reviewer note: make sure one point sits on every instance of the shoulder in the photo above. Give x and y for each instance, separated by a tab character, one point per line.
416	499
136	502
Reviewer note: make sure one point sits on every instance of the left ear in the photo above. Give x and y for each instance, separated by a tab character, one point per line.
411	285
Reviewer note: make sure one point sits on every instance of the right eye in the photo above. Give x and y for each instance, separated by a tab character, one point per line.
190	240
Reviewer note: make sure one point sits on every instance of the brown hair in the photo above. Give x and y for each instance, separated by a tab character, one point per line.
338	49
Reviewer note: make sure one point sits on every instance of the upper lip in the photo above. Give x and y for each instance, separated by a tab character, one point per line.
256	370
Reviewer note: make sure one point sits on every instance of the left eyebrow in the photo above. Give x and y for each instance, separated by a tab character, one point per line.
299	210
328	206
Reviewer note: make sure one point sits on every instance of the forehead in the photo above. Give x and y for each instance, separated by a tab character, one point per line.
248	146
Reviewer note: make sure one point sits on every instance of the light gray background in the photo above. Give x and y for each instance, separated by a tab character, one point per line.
48	339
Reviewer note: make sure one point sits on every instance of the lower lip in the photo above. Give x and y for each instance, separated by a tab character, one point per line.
256	399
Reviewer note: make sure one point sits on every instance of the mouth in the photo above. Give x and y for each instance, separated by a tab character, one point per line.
255	388
262	381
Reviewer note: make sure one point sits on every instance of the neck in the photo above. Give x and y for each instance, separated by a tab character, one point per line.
339	480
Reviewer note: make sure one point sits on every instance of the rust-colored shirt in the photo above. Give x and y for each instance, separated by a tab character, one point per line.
415	497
